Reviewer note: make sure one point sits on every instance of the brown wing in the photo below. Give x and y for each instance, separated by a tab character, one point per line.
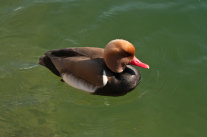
90	52
85	63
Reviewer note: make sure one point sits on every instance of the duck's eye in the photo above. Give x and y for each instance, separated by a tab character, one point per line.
123	64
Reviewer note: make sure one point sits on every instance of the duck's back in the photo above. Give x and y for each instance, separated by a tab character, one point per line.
48	59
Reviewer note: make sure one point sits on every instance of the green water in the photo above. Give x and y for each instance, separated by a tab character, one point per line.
170	35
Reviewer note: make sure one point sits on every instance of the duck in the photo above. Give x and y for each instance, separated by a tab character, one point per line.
100	71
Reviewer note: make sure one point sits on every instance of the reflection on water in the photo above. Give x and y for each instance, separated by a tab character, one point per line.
169	35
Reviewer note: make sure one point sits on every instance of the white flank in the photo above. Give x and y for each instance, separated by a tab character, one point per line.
105	79
78	83
81	84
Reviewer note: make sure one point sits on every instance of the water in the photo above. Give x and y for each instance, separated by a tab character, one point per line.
171	100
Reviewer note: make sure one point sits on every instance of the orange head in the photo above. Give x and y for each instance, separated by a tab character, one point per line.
118	53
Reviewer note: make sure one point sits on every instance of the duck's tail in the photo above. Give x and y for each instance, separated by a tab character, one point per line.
46	61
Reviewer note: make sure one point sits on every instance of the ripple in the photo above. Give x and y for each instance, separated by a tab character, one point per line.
126	7
135	6
18	8
72	41
198	60
28	66
54	1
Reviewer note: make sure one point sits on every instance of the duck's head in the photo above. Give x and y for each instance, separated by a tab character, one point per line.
118	53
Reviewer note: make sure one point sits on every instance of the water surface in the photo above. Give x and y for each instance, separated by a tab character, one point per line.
170	36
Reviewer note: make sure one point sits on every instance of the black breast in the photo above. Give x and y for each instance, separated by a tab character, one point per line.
120	83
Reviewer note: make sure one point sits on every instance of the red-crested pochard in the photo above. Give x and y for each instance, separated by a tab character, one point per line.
99	71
